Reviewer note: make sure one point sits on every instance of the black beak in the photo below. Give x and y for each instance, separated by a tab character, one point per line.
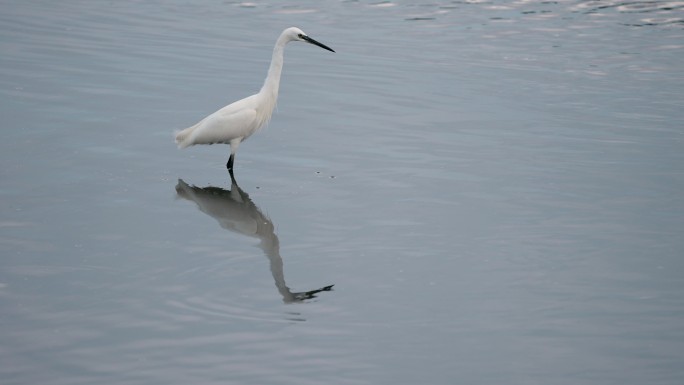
314	42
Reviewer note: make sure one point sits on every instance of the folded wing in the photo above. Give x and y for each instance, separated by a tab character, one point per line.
219	127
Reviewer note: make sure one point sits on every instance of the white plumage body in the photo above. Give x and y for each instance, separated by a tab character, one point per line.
236	121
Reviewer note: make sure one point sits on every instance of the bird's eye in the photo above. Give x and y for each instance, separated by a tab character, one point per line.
301	36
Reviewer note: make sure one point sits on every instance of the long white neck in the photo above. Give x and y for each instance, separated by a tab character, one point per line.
272	82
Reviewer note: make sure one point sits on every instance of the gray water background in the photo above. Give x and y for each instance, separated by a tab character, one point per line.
494	188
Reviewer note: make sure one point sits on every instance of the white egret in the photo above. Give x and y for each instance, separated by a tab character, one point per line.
235	122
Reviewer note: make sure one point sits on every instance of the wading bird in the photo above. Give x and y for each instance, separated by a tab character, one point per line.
235	122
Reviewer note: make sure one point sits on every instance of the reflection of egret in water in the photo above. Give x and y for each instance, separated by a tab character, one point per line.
235	211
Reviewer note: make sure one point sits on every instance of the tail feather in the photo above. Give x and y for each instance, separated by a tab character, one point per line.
184	137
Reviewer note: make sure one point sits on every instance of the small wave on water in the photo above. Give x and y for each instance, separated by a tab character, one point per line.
639	13
628	13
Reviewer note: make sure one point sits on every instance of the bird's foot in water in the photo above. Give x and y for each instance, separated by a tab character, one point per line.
229	165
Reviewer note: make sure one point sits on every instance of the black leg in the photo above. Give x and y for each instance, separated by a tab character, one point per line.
229	165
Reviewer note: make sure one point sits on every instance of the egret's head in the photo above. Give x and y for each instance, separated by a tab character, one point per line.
296	34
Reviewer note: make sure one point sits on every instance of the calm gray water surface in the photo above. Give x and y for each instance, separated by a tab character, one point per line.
494	188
